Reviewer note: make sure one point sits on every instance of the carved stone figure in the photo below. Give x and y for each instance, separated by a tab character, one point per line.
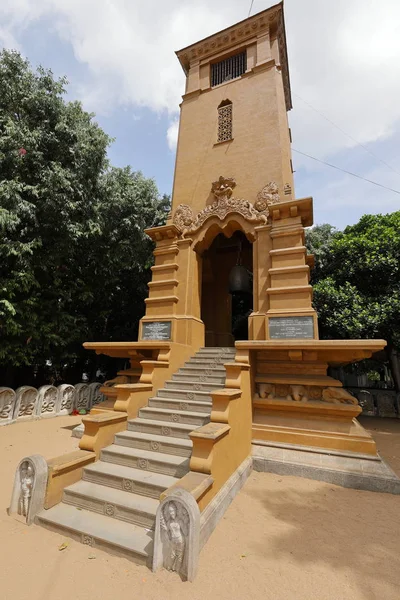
174	523
223	188
183	218
177	534
27	480
299	393
29	488
338	395
268	195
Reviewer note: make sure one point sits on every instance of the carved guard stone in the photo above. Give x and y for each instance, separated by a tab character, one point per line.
27	500
177	534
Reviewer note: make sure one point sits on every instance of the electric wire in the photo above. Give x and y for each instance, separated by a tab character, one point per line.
344	171
346	134
251	6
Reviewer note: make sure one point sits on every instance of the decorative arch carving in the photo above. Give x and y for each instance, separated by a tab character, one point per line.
223	208
205	236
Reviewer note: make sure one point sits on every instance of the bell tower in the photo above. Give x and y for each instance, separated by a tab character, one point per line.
234	112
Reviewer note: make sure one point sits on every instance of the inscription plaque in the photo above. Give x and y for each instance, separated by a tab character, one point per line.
156	330
291	327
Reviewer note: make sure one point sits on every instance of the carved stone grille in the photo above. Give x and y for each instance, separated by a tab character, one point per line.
225	123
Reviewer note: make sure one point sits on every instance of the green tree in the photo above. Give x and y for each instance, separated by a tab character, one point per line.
74	260
357	286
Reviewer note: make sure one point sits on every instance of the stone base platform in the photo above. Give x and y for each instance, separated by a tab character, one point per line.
348	469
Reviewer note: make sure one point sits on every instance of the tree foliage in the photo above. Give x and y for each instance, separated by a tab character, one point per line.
74	259
357	279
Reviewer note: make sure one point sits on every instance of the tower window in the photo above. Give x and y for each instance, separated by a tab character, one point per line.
227	69
225	121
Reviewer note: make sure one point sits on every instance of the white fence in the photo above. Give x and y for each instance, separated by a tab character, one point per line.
27	403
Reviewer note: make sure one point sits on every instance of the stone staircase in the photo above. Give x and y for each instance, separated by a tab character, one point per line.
114	505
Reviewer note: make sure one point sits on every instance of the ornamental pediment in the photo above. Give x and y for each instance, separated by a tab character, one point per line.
187	222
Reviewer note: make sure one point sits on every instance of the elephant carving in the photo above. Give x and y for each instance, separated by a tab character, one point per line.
299	393
338	395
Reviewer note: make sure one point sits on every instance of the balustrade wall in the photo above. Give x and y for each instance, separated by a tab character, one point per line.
27	403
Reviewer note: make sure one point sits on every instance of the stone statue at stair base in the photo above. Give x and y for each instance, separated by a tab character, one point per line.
29	489
177	534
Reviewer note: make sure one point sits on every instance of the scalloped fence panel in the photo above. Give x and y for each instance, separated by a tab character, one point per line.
28	403
65	399
47	401
7	403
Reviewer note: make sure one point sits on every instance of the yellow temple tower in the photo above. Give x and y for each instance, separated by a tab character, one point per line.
229	373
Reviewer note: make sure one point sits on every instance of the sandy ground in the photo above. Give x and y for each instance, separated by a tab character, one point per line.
283	538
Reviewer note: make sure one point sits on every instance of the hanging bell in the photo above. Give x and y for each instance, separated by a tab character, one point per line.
239	280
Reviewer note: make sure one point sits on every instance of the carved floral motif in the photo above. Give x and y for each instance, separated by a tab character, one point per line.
224	205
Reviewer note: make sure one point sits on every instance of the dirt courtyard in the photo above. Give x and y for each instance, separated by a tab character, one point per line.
283	538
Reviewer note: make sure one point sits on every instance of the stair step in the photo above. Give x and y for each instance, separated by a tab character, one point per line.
203	396
161	428
166	464
178	416
216	350
212	379
193	385
112	503
195	368
128	479
175	404
99	531
156	443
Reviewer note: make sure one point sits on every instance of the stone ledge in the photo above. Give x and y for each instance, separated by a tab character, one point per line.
211	431
215	510
196	484
357	473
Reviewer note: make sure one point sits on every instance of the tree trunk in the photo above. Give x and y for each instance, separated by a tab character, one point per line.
394	366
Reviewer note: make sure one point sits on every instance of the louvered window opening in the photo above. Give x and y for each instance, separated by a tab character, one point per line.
230	68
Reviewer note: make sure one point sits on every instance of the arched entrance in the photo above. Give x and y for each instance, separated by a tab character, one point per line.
225	312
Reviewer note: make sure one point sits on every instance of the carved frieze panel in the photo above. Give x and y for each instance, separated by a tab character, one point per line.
305	393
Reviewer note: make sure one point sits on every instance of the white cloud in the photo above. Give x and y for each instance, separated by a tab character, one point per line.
343	60
172	134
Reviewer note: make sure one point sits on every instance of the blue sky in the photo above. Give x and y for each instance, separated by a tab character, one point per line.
343	56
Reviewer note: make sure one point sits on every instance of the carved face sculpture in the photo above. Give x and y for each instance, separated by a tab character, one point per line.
223	187
172	510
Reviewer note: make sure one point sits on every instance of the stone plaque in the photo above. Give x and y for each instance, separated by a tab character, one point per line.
291	328
156	330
